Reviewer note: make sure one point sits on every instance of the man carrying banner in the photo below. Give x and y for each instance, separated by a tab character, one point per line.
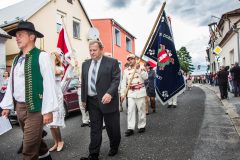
136	95
31	91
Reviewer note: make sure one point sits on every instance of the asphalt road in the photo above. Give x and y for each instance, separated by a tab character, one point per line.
198	129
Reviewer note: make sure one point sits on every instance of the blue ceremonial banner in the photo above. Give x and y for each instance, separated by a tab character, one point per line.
162	53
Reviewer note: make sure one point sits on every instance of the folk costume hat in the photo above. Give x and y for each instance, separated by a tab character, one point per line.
24	25
131	56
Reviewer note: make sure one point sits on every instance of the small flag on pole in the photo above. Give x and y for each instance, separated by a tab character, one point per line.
64	47
161	52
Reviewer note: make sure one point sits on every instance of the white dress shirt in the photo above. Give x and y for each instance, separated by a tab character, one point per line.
19	80
90	93
49	101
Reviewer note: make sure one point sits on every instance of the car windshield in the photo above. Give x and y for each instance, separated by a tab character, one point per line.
74	83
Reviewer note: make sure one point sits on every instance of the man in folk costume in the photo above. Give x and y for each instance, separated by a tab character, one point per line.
136	95
31	91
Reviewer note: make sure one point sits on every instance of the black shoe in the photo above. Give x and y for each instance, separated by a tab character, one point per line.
154	111
84	124
44	133
169	106
129	132
141	130
89	158
112	152
20	149
174	106
147	113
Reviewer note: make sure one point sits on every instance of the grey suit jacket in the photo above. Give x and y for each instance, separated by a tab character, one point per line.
108	79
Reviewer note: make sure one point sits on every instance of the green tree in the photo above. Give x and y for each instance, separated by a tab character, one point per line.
185	60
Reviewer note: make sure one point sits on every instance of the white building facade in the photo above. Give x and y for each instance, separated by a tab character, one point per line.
3	38
225	36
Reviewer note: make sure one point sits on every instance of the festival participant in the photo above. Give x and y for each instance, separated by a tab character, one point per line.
32	89
136	95
99	94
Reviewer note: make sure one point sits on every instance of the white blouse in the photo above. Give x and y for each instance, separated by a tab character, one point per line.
49	101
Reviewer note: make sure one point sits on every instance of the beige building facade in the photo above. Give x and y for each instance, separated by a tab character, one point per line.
48	16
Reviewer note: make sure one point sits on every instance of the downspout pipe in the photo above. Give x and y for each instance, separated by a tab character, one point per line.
236	30
238	46
113	38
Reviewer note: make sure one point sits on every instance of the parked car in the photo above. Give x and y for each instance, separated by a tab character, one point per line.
70	95
70	98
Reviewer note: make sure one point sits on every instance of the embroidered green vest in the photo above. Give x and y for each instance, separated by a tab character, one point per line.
33	80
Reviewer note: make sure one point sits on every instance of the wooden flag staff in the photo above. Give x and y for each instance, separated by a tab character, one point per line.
64	26
149	38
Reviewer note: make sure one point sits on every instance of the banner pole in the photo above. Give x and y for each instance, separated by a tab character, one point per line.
63	24
143	51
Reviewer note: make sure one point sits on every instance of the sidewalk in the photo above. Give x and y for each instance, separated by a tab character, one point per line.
231	105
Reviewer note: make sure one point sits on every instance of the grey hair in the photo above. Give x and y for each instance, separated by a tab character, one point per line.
100	45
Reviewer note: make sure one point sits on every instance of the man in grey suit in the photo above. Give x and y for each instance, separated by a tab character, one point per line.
99	94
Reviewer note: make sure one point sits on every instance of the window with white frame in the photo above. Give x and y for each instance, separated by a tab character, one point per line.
69	1
128	44
59	20
117	37
76	28
232	56
224	61
221	30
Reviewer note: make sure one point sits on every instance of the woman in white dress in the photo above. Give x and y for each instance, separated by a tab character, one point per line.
58	116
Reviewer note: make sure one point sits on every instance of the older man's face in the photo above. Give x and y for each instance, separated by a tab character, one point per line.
23	39
95	52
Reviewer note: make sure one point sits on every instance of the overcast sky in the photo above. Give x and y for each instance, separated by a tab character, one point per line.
189	19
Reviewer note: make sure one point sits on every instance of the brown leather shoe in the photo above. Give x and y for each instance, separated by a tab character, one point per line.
20	149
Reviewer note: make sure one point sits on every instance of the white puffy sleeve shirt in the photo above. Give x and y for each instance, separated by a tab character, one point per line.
49	101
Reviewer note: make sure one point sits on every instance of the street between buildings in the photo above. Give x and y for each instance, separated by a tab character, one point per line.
198	129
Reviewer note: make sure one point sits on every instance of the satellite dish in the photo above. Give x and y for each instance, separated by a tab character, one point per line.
93	34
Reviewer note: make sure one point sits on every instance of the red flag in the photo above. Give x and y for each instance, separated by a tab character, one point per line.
65	50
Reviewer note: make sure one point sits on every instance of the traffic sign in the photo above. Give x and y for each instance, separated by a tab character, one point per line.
217	50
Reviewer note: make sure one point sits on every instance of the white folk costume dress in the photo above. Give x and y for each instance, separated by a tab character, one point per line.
58	116
136	96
